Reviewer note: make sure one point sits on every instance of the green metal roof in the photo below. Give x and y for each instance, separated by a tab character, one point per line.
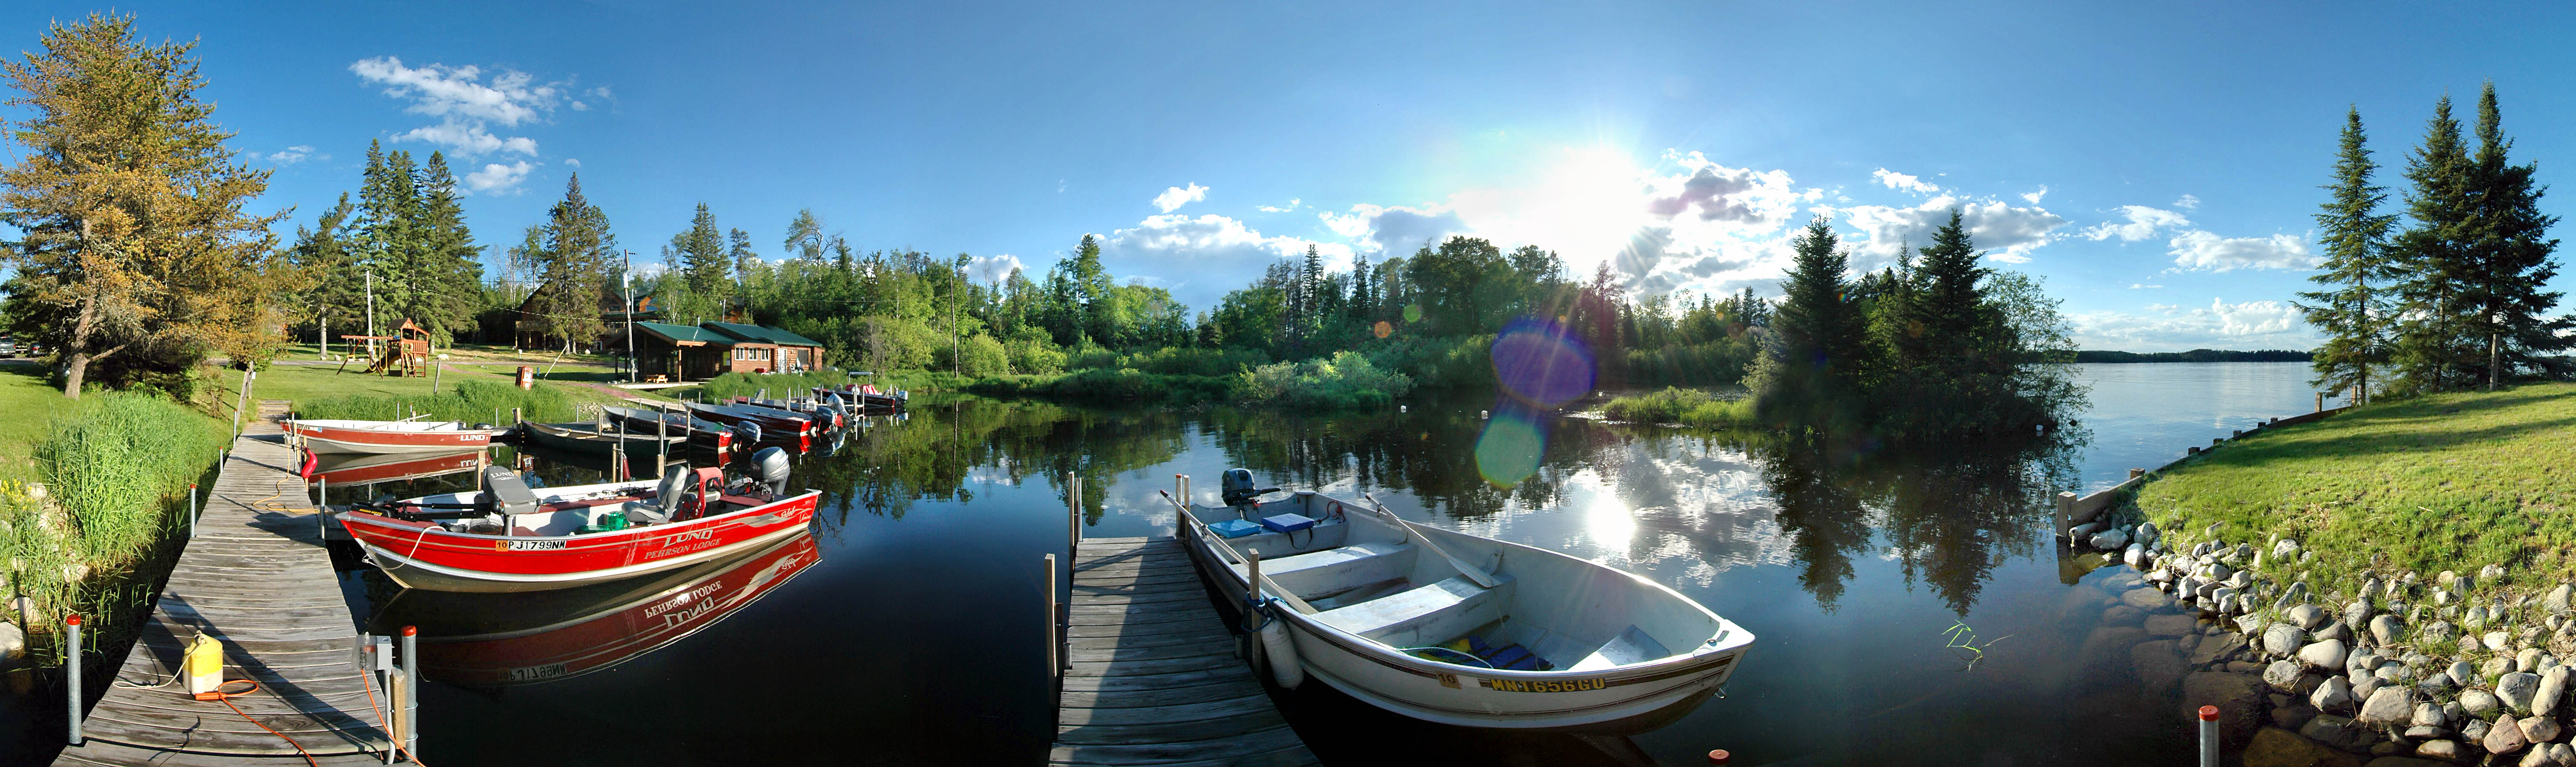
760	334
683	333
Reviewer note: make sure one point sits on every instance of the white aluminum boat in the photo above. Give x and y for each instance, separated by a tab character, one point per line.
1459	629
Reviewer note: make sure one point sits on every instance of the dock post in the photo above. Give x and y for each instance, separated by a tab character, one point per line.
1180	519
2321	402
2066	515
397	723
410	702
72	672
2136	473
1073	510
192	511
1055	670
2209	736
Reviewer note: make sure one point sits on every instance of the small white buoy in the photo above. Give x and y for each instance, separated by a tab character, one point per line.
1484	414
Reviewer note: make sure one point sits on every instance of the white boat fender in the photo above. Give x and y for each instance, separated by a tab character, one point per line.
1282	653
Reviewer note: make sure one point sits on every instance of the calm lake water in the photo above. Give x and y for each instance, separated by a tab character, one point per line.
907	630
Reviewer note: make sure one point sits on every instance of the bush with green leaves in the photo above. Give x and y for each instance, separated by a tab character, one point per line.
1689	407
1345	380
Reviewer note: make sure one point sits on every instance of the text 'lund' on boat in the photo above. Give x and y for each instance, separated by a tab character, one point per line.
1456	628
508	537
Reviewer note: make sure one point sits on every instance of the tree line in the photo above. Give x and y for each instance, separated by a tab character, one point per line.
2457	299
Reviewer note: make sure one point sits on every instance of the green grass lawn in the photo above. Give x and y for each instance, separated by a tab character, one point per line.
2447	482
304	383
28	398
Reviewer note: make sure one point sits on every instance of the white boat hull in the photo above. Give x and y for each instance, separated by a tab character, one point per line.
1592	696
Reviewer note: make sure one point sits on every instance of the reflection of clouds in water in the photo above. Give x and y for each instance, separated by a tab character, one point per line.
991	475
1646	503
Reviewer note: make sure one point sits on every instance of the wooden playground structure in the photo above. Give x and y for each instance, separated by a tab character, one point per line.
406	355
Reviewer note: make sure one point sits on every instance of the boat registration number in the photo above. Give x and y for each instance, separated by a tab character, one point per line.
1522	685
527	545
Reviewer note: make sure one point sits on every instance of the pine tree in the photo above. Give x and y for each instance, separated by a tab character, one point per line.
2352	310
805	235
128	211
2507	245
2434	261
325	254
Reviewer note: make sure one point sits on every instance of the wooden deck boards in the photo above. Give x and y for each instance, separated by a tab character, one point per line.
258	577
1153	676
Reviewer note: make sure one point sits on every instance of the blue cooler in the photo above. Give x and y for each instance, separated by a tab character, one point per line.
1235	528
1287	523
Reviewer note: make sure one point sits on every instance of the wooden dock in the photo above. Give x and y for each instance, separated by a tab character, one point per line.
257	577
1153	676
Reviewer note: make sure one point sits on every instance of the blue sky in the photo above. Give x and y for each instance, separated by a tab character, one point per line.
2157	164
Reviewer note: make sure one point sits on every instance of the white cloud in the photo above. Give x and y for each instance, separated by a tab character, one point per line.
2187	202
2010	233
466	106
292	155
992	268
1396	230
1905	183
2198	250
575	162
1209	255
496	178
1740	196
2221	325
1173	198
2142	286
2033	197
1293	204
2143	223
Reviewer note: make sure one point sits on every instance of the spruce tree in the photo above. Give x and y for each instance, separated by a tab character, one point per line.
2352	310
1806	380
326	255
2434	261
2508	246
450	263
703	259
571	252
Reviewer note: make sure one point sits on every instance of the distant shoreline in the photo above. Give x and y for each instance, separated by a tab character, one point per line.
2195	355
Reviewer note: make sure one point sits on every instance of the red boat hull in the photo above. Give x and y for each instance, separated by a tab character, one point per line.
334	439
423	555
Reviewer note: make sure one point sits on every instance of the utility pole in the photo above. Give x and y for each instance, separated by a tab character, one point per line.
625	280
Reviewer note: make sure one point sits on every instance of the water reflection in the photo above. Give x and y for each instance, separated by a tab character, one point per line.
484	641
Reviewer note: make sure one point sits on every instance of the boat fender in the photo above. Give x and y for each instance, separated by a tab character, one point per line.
1335	509
1281	652
312	465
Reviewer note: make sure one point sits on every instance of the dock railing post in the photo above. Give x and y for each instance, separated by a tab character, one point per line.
1181	486
2321	402
1073	511
72	672
192	511
410	702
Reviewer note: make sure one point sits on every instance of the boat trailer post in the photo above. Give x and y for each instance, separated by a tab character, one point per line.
72	672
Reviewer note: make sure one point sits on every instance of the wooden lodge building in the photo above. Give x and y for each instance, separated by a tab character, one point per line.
708	349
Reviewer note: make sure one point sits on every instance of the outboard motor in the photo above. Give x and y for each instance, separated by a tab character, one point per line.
1240	491
772	463
505	494
746	433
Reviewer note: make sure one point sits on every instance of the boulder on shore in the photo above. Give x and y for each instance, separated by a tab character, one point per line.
2326	656
2504	736
2388	706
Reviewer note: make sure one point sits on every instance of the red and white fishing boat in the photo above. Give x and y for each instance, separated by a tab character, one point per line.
326	436
508	538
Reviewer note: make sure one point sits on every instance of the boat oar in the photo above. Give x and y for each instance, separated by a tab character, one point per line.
1471	571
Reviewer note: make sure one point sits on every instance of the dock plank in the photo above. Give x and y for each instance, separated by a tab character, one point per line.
256	576
1153	675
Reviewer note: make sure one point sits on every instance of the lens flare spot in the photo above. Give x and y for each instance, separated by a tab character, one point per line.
1509	450
1540	362
1413	312
1382	329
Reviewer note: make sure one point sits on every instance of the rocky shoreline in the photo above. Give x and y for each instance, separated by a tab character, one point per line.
2408	671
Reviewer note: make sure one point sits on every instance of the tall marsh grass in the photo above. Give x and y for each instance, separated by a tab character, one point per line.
472	402
113	462
1344	380
1688	407
780	385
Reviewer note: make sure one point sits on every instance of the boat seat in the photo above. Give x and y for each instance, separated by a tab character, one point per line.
644	513
1425	614
1630	646
1332	571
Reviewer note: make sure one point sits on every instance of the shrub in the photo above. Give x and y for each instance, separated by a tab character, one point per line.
1346	380
1034	356
1690	407
1435	362
1123	384
472	402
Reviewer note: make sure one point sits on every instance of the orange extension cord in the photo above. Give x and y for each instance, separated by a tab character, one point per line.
227	698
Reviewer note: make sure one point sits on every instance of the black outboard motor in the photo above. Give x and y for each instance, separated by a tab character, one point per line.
746	433
1240	491
773	466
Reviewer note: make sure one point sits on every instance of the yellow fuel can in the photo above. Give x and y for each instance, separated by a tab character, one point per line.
203	664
